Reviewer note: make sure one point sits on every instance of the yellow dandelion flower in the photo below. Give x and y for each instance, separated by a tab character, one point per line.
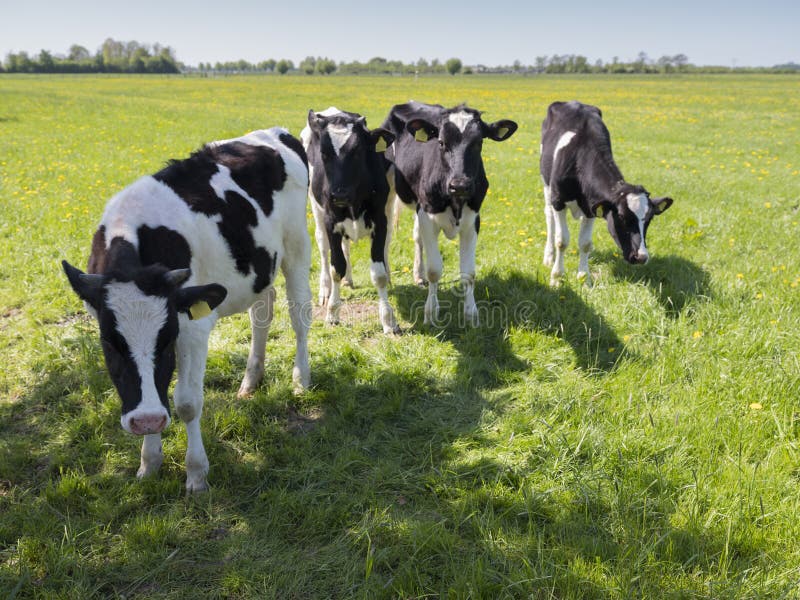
755	406
739	276
767	204
697	334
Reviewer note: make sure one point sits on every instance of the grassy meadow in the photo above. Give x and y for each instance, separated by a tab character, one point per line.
636	439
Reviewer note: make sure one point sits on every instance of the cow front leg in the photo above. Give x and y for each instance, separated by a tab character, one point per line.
549	219
191	351
380	277
261	313
347	280
429	233
585	247
296	266
561	243
151	457
419	256
468	242
338	268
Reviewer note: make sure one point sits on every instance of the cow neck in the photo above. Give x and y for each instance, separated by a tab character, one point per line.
605	180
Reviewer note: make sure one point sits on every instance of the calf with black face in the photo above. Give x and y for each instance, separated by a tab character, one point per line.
199	240
349	192
579	173
438	171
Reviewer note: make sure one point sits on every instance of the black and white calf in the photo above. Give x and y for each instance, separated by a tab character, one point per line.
439	173
349	192
579	173
199	240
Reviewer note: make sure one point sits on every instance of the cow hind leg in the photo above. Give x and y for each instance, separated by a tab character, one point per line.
191	352
379	274
347	280
261	313
296	267
380	278
585	247
561	243
429	232
549	219
321	237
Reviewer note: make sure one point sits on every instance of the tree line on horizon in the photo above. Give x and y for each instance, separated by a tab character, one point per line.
133	57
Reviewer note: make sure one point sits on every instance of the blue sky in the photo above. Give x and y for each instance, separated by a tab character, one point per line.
492	32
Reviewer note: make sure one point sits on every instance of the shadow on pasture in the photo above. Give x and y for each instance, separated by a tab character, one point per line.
673	280
514	300
608	494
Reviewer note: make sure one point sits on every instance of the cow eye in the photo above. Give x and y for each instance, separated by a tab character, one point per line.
441	144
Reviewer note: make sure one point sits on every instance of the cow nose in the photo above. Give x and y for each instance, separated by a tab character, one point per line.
640	258
148	424
460	187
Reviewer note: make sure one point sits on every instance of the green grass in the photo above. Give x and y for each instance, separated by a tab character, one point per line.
582	443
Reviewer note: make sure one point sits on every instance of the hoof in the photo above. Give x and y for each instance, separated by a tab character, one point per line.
196	487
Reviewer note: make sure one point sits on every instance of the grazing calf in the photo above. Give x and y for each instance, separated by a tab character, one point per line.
580	173
199	240
439	173
349	192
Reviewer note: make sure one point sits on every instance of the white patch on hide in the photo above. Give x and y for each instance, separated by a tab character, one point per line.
461	119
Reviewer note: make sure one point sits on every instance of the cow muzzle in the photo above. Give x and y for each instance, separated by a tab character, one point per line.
147	424
640	257
460	188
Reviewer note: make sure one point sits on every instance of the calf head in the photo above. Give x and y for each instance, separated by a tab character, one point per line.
138	317
628	215
460	132
348	153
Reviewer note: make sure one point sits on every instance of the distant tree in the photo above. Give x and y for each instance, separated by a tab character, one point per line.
308	65
78	53
283	66
681	61
453	66
267	65
46	62
325	66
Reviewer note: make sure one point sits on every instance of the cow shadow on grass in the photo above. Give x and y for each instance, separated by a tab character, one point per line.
673	280
514	300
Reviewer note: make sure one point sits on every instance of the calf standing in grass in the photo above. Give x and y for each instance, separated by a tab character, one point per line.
349	192
439	173
579	173
199	240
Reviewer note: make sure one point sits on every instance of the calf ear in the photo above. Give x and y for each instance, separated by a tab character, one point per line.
660	204
88	287
199	300
381	138
315	122
602	208
422	130
500	131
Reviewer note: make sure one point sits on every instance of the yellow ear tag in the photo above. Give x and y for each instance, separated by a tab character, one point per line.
199	310
380	145
421	135
502	132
